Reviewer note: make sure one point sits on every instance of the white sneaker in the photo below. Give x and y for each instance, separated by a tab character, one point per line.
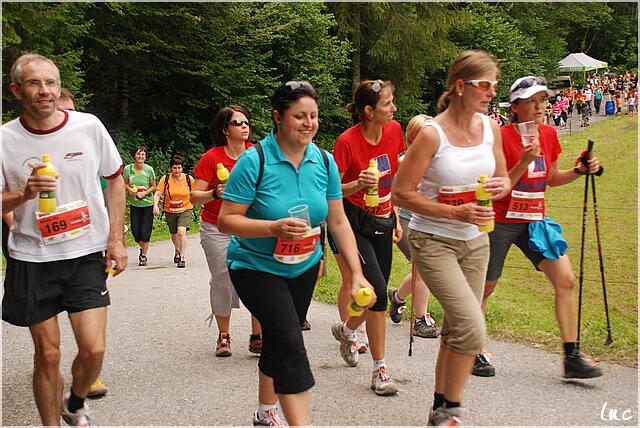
271	419
382	384
80	418
348	349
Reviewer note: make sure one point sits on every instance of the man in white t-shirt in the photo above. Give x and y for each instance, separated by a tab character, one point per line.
60	260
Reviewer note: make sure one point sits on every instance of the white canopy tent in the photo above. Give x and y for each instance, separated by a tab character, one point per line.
580	62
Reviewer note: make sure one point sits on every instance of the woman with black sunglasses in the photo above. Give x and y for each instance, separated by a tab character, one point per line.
437	181
274	257
376	138
520	217
230	133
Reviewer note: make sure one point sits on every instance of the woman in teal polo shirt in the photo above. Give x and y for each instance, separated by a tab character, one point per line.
274	258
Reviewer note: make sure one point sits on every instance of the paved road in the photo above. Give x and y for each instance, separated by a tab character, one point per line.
161	370
573	122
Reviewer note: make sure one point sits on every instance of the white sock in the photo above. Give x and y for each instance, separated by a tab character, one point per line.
264	408
378	363
349	334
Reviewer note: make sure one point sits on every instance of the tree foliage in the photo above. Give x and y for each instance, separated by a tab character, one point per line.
155	73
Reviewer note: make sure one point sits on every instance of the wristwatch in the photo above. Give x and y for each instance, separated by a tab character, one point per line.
214	192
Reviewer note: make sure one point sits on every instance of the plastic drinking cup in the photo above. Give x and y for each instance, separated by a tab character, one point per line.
301	212
528	131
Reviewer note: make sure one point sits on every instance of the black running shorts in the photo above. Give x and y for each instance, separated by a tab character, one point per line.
500	241
35	292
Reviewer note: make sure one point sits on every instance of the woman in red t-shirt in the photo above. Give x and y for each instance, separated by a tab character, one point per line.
230	131
520	216
375	136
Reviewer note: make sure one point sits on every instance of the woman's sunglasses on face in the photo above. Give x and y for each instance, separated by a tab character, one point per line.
483	85
237	122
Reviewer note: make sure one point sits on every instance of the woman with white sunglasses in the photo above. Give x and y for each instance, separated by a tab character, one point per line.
437	181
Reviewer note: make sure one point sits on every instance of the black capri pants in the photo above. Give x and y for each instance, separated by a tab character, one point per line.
375	246
281	305
141	223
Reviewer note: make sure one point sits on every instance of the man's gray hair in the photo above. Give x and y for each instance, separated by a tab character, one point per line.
17	69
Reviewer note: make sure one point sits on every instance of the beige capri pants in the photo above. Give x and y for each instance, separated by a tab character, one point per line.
455	272
222	294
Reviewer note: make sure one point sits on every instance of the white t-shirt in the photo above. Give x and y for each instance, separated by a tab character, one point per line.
454	166
81	151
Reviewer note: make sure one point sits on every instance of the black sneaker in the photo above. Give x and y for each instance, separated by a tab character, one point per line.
182	263
577	365
142	260
396	309
482	365
176	257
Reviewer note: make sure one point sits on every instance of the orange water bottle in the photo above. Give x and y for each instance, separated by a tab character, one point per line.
371	196
222	173
47	200
483	198
362	298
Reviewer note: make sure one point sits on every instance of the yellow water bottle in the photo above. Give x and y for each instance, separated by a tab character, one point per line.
483	198
371	195
47	200
362	298
222	173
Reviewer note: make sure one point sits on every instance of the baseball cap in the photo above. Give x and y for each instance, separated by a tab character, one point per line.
527	86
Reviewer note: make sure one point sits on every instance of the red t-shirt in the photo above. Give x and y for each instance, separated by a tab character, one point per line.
206	170
535	177
352	154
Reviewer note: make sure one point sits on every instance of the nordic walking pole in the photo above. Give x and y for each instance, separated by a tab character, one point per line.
609	340
584	160
413	290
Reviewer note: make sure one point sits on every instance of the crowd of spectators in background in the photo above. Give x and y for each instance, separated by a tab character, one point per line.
587	99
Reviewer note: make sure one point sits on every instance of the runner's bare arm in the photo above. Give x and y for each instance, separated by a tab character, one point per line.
200	194
500	184
232	220
116	203
365	179
35	184
558	177
343	234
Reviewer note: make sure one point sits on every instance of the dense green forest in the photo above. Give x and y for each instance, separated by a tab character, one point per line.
156	72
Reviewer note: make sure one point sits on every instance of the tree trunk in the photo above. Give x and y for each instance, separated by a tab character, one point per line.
357	40
124	98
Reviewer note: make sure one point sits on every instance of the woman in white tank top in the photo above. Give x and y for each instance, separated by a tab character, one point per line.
446	158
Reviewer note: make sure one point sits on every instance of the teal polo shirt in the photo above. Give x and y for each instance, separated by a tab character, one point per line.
281	188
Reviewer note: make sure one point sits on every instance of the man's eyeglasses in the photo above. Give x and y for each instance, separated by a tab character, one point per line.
292	85
529	82
33	83
237	122
377	86
483	85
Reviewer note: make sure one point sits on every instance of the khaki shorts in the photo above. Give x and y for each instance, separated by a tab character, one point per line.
174	221
455	272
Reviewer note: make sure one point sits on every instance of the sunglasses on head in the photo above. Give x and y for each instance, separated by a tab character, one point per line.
292	85
483	85
377	86
529	82
237	122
